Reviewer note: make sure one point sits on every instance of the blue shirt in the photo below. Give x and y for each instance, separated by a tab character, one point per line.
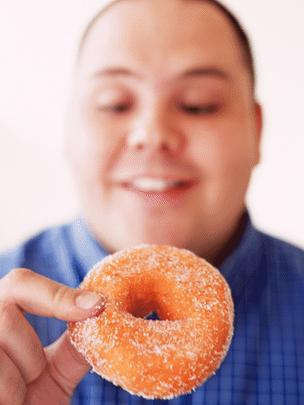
265	363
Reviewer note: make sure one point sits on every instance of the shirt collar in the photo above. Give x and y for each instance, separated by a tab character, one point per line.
87	250
244	260
237	268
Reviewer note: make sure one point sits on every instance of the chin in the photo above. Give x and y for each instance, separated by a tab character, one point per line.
161	237
123	231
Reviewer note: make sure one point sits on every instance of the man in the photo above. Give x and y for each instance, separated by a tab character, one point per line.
164	132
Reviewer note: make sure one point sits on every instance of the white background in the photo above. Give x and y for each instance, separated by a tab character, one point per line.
37	43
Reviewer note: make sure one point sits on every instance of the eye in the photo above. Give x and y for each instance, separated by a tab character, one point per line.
114	108
197	109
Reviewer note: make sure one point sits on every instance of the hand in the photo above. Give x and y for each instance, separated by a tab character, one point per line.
29	373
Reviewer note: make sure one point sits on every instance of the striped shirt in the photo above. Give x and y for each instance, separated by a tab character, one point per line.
265	363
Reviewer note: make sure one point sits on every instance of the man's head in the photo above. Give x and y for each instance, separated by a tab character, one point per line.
164	129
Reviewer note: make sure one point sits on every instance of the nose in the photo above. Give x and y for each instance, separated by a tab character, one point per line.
154	132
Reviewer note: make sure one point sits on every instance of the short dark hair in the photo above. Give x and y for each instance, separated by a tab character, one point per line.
235	23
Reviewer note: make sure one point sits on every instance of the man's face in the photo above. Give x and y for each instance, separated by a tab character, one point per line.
164	131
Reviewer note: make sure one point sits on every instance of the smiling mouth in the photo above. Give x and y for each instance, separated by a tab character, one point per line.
157	185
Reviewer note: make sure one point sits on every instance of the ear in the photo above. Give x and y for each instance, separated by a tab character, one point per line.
258	118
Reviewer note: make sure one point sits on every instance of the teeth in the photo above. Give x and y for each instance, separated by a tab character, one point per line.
152	184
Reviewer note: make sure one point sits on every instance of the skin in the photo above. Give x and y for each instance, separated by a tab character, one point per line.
140	123
156	133
29	373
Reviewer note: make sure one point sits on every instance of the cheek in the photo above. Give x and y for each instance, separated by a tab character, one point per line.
226	149
91	145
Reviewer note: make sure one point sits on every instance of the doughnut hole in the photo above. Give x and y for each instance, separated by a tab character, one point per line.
150	292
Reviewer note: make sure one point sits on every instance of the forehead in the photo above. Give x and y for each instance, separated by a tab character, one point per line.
159	37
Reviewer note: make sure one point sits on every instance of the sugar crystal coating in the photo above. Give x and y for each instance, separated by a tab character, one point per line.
156	358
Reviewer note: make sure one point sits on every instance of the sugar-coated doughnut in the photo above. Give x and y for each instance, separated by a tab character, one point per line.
156	358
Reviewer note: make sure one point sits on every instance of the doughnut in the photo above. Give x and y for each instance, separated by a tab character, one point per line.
169	356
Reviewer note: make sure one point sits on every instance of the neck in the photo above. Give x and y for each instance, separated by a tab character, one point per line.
217	257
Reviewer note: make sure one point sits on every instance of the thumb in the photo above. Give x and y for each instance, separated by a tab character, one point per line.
66	366
39	295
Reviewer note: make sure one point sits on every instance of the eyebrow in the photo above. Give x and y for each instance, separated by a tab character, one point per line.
198	71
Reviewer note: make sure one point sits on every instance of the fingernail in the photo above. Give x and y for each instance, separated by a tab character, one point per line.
88	300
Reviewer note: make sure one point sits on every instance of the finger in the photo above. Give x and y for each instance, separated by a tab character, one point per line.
20	343
12	386
66	366
41	296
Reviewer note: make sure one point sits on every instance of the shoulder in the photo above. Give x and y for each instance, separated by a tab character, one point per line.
38	251
282	255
